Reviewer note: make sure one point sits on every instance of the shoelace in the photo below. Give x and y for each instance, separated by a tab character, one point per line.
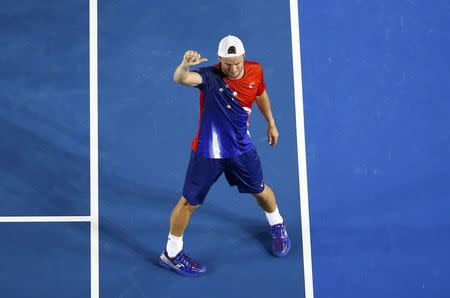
186	260
278	232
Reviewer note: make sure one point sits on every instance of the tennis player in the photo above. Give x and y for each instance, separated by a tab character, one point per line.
223	145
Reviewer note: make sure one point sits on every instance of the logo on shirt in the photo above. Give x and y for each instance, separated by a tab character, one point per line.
251	85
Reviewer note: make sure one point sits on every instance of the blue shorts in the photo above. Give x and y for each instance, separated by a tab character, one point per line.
243	171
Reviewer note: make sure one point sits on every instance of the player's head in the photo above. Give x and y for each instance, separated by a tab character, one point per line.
231	54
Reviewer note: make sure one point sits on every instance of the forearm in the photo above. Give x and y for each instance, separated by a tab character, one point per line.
263	103
181	72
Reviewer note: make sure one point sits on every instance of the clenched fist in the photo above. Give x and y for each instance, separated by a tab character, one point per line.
192	58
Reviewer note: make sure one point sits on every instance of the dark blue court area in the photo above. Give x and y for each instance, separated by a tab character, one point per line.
45	260
376	102
378	143
44	115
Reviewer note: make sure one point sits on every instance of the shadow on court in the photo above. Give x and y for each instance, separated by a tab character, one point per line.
152	209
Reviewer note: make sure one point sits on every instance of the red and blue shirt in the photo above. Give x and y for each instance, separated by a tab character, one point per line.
225	108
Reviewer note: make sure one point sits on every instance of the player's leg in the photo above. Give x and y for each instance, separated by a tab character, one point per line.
266	199
180	216
245	172
200	176
179	219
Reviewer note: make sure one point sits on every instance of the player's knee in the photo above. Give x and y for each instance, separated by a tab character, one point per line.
261	194
186	204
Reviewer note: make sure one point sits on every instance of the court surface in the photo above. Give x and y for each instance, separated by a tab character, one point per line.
376	103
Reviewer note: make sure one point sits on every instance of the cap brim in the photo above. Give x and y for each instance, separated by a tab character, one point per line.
230	55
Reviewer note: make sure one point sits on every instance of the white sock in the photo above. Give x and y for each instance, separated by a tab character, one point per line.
174	245
274	218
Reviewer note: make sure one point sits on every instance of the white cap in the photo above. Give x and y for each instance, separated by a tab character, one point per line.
226	43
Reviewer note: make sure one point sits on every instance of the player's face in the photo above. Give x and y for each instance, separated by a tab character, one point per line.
232	67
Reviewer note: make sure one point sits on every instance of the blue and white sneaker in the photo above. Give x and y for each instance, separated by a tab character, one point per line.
182	264
280	240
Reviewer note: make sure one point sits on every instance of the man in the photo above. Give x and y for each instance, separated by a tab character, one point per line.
223	145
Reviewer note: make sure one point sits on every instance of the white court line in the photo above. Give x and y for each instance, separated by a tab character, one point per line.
301	149
45	218
93	110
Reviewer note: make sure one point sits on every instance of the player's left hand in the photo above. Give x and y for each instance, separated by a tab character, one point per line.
272	135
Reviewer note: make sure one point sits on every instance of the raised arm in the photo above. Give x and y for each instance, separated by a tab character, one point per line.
182	74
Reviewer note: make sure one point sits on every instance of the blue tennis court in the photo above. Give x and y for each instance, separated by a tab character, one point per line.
375	98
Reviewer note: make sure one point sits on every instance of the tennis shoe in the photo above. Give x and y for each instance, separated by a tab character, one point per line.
280	240
182	264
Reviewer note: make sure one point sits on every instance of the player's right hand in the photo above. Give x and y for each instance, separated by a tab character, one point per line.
193	58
